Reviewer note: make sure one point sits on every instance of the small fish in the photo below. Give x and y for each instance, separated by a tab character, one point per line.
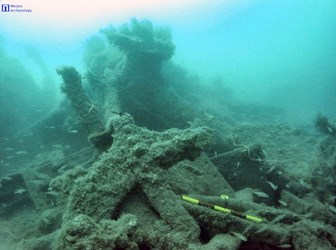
74	131
329	129
20	191
21	152
271	169
261	194
283	203
238	164
9	149
7	178
52	193
275	187
264	152
49	127
285	246
239	236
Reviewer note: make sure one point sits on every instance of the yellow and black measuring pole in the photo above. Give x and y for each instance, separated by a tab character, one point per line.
221	209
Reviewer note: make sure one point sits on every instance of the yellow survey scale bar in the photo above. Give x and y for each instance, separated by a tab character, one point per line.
221	209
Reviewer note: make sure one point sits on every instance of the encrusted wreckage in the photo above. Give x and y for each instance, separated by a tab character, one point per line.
128	196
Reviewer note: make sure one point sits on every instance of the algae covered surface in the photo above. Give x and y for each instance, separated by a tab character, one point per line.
141	152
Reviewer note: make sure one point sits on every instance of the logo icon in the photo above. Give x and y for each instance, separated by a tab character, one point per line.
5	7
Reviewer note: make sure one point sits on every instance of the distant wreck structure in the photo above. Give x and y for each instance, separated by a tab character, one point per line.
130	77
125	77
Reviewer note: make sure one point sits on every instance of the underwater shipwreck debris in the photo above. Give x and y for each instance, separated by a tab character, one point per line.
87	111
129	197
241	165
138	159
134	173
